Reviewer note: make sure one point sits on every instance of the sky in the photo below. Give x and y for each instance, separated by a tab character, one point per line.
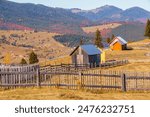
90	4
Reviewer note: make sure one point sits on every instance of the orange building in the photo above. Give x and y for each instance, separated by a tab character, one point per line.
118	43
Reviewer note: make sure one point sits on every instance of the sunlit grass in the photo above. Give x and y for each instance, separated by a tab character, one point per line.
48	93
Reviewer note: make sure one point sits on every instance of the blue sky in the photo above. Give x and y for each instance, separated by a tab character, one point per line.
90	4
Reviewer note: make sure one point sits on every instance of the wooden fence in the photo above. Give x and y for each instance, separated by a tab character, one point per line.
82	67
18	76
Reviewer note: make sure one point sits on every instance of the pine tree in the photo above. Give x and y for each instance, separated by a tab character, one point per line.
33	58
23	61
112	37
98	39
147	29
81	42
108	40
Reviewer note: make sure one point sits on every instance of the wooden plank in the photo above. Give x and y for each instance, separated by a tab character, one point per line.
123	77
38	76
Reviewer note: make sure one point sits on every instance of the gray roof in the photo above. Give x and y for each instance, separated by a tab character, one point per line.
122	40
118	39
91	49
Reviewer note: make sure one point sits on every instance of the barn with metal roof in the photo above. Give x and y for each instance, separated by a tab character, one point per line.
86	54
118	43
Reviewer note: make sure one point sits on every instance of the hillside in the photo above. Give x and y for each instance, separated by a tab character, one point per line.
21	43
26	16
76	24
41	17
102	28
139	51
131	31
73	40
102	13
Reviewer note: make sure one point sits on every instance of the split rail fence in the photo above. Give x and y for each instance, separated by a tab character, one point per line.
32	75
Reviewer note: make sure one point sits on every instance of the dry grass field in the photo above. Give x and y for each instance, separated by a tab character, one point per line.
131	55
140	49
21	43
139	57
134	67
57	61
92	29
65	94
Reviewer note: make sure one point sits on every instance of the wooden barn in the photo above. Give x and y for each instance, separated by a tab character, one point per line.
86	54
118	43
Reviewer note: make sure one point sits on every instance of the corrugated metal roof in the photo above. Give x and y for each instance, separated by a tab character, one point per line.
91	49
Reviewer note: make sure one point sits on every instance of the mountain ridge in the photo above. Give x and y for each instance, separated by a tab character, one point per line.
41	17
113	13
60	20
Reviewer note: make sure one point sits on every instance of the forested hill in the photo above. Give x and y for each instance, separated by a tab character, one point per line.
40	17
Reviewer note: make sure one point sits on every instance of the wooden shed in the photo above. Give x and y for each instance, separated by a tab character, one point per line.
118	43
86	54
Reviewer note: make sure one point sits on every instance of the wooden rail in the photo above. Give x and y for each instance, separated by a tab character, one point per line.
82	67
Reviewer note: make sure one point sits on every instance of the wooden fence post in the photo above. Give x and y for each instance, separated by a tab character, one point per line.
123	77
38	76
81	80
2	80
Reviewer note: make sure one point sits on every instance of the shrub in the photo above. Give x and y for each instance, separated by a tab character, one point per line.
33	58
23	61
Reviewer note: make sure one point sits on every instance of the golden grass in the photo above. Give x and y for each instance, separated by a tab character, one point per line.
92	29
57	61
140	43
140	49
135	67
42	42
137	57
127	54
48	93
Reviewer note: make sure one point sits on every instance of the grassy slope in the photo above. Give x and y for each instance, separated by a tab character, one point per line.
131	32
58	61
137	57
41	42
140	49
40	17
92	29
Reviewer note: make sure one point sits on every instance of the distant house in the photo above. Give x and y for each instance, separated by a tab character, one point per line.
118	43
86	54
